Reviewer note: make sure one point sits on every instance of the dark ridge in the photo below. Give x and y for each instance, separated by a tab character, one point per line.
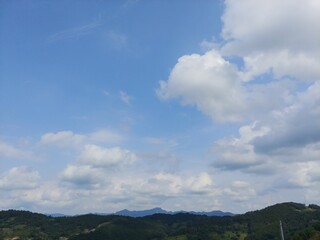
300	222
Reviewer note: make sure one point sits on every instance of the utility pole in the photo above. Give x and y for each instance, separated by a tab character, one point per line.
281	231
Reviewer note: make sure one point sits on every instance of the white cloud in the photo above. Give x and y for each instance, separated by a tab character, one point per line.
279	35
235	153
13	152
269	39
91	168
305	174
286	138
209	82
290	135
19	178
277	86
201	183
216	87
69	138
282	63
168	185
185	191
104	157
295	126
240	191
84	175
62	138
208	45
271	24
140	190
165	183
47	197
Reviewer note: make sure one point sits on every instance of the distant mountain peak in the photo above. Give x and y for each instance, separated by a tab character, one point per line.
158	210
140	213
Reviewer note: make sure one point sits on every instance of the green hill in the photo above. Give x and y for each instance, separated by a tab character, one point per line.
300	222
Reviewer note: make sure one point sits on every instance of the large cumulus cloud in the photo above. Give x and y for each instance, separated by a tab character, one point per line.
265	75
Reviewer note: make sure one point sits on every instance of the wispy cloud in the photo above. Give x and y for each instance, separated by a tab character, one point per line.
130	3
74	33
105	93
125	97
8	151
116	40
69	138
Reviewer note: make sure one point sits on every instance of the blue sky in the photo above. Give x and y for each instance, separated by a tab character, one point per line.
194	105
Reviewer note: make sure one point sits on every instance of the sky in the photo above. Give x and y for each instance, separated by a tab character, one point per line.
136	104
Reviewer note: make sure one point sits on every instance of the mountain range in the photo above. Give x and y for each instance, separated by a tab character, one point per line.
158	210
300	222
148	212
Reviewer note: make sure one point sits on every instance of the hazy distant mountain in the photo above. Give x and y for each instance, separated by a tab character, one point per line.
56	215
148	212
216	213
158	210
141	213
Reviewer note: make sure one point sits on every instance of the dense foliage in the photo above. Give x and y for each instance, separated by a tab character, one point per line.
300	222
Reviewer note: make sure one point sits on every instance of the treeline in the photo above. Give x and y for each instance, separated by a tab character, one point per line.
300	222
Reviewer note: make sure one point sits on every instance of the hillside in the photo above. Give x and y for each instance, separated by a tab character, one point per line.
300	222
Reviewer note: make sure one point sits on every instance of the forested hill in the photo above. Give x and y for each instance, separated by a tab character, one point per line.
299	222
